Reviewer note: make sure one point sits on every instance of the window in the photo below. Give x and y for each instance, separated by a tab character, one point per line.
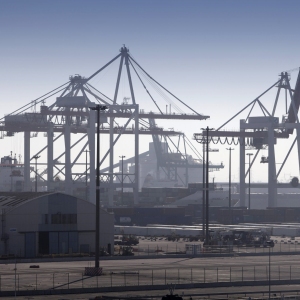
63	219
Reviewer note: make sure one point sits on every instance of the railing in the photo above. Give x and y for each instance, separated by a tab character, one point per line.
149	277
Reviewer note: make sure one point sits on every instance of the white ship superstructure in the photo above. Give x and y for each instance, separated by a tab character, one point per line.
11	175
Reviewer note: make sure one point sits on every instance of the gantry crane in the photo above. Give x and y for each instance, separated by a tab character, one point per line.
261	132
69	114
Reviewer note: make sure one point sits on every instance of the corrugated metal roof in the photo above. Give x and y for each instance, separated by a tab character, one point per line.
12	200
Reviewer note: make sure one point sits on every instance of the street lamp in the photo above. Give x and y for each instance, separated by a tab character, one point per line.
98	108
122	157
249	155
36	158
229	196
207	186
203	190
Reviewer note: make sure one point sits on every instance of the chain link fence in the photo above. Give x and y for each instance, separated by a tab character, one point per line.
44	281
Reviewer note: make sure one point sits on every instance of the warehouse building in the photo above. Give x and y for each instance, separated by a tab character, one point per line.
34	224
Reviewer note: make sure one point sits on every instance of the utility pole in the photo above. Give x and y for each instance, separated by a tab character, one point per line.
86	169
229	196
207	186
98	108
122	157
249	203
36	158
203	190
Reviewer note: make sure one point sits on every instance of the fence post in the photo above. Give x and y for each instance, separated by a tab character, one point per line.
165	276
152	277
124	278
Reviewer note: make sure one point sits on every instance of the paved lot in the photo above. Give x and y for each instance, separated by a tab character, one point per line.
158	270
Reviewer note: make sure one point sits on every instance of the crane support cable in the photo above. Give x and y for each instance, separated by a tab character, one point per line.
249	104
165	88
162	94
159	90
93	75
99	92
146	89
36	100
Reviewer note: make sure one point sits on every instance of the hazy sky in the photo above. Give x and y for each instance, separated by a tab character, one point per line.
216	56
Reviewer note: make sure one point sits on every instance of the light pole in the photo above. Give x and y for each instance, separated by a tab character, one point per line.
36	158
203	191
86	185
207	187
249	155
122	157
229	196
269	272
98	108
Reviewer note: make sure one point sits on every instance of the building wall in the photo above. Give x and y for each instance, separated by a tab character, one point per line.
55	218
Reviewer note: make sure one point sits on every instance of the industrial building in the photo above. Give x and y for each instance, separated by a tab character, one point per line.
37	224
